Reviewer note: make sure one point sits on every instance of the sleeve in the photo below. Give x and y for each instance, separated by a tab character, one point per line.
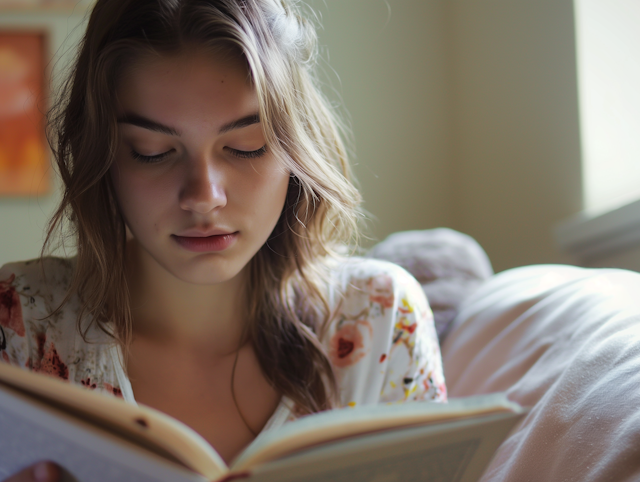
414	370
37	337
382	343
29	338
14	346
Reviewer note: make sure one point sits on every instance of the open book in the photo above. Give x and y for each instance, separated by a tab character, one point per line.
98	438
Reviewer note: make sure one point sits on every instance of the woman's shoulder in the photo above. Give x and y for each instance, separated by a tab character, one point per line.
39	333
355	266
41	284
381	340
367	280
30	291
52	271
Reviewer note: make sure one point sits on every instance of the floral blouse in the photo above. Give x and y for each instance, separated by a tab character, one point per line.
381	342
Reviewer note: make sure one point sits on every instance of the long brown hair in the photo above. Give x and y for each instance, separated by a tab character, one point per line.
287	300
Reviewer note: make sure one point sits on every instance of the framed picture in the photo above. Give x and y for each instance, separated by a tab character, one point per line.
24	158
39	4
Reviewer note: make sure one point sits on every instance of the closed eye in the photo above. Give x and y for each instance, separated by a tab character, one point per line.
149	159
247	154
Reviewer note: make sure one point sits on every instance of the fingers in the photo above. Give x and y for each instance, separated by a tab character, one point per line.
40	472
46	472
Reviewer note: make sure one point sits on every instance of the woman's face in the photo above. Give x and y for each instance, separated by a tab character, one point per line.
197	187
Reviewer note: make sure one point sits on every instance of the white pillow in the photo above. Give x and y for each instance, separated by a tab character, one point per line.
566	342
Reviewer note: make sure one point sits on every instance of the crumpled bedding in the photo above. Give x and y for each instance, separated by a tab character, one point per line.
564	341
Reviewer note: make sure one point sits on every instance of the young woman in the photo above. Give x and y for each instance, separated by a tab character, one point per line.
207	189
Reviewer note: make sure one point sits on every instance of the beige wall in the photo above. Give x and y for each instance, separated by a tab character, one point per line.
391	60
516	146
464	114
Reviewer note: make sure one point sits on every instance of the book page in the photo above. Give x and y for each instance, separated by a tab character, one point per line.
30	432
442	464
336	424
455	451
142	425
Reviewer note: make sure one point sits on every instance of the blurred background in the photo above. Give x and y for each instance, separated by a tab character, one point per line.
506	120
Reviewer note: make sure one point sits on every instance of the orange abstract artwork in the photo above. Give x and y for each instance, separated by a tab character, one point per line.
24	163
37	4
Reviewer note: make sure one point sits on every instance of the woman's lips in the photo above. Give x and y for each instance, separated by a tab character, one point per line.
205	244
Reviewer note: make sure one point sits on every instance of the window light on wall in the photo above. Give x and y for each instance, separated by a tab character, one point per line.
608	55
608	52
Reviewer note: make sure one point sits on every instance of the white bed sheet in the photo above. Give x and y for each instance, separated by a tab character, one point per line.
564	341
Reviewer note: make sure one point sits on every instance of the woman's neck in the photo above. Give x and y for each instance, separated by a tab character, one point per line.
166	309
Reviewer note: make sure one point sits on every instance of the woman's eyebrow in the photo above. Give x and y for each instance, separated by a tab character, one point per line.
240	123
140	121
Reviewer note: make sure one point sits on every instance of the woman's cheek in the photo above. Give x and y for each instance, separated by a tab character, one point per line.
134	196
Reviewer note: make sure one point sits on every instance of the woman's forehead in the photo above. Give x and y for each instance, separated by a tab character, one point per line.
188	61
188	86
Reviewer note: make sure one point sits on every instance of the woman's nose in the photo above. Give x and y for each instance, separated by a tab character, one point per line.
203	189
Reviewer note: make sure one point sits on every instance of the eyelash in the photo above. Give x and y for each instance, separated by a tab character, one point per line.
248	154
148	159
235	152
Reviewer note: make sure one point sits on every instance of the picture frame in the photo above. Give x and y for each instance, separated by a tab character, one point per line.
42	5
24	154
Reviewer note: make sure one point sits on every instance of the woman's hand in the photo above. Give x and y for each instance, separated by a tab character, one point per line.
40	472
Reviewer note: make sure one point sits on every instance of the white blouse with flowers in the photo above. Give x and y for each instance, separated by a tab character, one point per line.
382	342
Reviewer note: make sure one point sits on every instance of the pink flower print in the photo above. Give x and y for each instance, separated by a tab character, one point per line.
113	390
381	290
41	339
404	328
405	307
427	383
348	345
10	307
87	383
434	391
51	363
442	392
